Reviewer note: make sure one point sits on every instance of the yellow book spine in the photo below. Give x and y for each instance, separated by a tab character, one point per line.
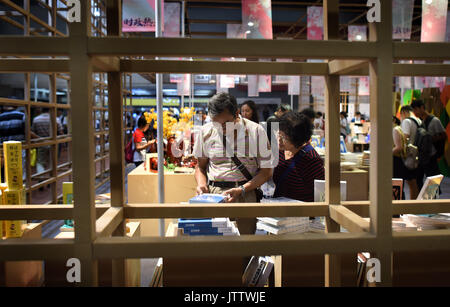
13	165
1	221
67	193
13	229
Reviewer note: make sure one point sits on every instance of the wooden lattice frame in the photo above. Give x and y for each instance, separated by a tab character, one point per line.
93	237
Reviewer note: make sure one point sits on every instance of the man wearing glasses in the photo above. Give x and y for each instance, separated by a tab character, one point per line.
234	156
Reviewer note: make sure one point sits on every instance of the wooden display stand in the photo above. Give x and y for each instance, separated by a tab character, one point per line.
201	272
55	271
143	189
357	184
23	273
309	270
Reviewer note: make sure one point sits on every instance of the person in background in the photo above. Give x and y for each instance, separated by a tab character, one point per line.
344	125
310	113
299	164
439	136
399	153
140	142
249	111
281	110
216	171
318	121
357	118
42	127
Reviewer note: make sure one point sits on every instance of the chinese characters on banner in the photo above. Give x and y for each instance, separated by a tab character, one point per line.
315	23
139	15
402	14
434	22
257	20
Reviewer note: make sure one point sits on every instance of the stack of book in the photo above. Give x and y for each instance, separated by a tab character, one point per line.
284	225
208	227
317	225
429	221
257	272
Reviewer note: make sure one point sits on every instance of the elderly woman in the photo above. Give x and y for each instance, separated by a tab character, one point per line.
299	164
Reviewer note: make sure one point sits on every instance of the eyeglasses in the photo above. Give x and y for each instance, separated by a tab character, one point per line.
282	137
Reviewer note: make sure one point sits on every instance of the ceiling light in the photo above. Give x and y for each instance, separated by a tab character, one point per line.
248	32
428	1
250	24
358	37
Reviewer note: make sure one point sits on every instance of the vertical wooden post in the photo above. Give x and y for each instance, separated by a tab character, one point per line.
381	76
116	135
83	147
332	135
26	95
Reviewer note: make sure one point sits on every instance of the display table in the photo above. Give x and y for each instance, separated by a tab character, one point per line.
143	189
55	270
23	273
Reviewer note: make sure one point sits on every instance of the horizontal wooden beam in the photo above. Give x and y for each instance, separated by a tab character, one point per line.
218	67
192	47
421	51
106	64
186	246
109	221
422	69
42	212
434	206
34	65
346	67
421	240
36	249
135	211
348	219
34	46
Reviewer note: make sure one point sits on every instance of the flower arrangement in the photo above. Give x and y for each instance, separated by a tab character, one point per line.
170	125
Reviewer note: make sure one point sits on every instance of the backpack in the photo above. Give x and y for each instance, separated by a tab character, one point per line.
410	153
424	143
129	151
440	145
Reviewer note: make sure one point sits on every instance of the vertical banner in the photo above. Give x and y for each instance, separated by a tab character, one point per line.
264	83
219	87
434	20
364	87
402	14
172	19
357	33
252	86
139	15
283	79
405	82
257	18
294	85
315	23
184	87
318	88
345	84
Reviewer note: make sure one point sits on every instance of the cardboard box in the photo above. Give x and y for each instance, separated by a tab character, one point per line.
13	229
13	165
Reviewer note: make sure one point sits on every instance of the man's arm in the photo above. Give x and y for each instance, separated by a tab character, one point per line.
200	176
263	175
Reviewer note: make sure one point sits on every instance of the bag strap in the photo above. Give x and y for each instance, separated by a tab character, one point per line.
241	167
428	121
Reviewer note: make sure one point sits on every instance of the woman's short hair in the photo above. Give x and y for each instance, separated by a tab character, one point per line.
252	105
221	102
142	122
297	127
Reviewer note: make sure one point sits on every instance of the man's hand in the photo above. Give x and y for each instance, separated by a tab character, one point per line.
201	189
232	194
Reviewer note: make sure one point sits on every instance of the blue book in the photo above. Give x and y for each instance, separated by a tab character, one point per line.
207	230
197	223
207	199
